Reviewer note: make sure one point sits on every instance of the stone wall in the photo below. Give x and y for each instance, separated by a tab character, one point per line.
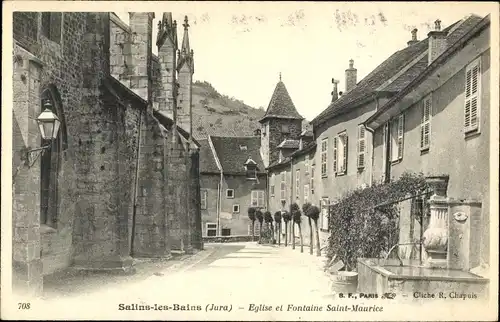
275	135
44	64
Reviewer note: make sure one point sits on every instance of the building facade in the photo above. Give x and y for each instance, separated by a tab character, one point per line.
445	117
233	178
345	156
109	187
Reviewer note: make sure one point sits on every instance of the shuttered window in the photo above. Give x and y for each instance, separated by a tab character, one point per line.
472	90
361	146
257	198
312	179
282	186
204	199
306	193
335	155
397	141
306	163
324	156
340	146
425	124
297	184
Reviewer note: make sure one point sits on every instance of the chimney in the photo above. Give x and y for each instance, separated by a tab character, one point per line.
141	26
335	94
350	76
437	41
413	40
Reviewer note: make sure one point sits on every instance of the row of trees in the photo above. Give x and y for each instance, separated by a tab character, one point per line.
295	216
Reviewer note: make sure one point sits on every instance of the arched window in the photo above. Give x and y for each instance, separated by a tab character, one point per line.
51	162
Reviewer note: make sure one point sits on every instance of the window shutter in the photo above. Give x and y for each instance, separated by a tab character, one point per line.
344	157
400	135
335	155
425	126
472	84
361	147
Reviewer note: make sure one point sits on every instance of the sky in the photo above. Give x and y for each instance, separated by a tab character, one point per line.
242	47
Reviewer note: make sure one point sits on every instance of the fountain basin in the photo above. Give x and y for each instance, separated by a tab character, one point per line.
387	276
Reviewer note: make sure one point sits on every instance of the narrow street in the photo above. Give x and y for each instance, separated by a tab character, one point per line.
232	276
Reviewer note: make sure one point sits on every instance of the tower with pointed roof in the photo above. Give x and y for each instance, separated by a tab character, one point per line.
281	122
185	70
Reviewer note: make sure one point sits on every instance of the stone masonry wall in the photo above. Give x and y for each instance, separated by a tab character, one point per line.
275	135
178	215
151	226
61	68
101	220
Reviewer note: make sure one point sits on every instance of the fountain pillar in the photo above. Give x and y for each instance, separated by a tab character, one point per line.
435	238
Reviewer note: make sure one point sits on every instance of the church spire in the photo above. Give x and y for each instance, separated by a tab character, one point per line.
185	42
186	53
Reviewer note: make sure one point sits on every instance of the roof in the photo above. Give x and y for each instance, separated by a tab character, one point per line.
281	105
289	144
457	31
458	37
309	147
370	85
306	133
233	158
167	122
207	159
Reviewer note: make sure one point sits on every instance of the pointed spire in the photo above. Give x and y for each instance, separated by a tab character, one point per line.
185	42
185	53
281	105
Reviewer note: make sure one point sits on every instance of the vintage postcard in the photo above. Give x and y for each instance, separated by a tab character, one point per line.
263	161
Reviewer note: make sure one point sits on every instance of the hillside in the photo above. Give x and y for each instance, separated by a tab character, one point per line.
221	115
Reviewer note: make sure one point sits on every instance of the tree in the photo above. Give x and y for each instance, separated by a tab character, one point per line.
313	214
251	216
268	218
260	218
297	220
277	219
305	208
286	217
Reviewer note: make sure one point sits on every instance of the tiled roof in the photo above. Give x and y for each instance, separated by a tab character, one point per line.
281	105
381	74
307	148
306	132
289	144
207	160
457	31
456	40
284	161
233	156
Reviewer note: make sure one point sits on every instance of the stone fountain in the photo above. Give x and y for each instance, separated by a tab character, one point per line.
451	249
435	238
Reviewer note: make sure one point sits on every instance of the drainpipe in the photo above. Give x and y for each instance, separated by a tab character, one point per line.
372	131
220	204
136	184
268	185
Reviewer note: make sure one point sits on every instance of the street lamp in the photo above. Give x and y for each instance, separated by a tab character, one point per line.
48	124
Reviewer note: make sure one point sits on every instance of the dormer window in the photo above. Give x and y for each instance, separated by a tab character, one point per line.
243	147
251	169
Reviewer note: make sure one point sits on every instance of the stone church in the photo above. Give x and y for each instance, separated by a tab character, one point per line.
120	179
